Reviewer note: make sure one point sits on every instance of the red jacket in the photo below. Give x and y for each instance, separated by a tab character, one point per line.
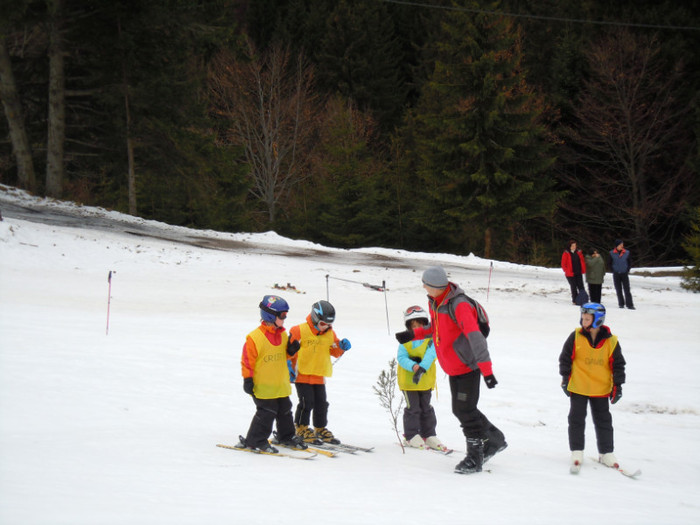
566	262
460	347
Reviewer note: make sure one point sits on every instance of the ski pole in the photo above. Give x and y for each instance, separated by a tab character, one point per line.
109	298
386	306
488	289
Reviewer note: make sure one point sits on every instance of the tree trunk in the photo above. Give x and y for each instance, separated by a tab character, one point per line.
131	176
15	121
57	103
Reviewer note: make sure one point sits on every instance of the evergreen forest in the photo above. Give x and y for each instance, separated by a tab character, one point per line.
499	128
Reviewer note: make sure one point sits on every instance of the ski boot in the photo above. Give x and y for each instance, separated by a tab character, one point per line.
474	461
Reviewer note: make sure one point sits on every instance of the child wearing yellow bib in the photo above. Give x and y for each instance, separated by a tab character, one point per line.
416	377
311	366
266	379
593	370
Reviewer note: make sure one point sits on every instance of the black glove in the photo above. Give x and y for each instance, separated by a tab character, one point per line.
565	386
248	385
616	394
293	347
418	374
490	381
416	359
404	337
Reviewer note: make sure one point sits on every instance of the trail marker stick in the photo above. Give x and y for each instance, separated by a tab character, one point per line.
386	305
488	289
109	298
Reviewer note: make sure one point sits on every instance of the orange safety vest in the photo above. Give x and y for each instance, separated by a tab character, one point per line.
271	376
591	370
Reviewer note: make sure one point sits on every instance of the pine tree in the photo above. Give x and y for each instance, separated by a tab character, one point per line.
691	274
479	141
344	203
360	58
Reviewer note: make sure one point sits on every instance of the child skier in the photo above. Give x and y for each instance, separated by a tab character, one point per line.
311	366
593	370
266	379
416	378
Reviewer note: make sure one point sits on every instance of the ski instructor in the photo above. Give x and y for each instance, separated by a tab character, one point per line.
463	354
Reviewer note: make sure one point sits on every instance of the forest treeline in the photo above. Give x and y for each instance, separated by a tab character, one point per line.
496	128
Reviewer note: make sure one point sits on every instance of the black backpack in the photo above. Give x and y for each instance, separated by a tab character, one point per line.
481	315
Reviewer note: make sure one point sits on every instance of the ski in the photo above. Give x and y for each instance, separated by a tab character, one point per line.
625	472
443	450
350	448
318	450
337	447
315	450
277	454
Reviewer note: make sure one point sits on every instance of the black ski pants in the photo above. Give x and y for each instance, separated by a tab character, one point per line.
602	419
576	285
312	398
622	288
465	398
595	292
268	412
418	415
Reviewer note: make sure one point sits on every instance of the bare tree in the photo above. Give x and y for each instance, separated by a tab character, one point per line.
628	149
270	109
15	119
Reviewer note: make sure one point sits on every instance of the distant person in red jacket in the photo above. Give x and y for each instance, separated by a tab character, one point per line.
463	354
574	265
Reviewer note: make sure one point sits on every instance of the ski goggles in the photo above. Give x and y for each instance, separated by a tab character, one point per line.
413	309
324	324
588	310
280	315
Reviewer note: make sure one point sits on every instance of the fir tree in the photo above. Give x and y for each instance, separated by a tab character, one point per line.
479	141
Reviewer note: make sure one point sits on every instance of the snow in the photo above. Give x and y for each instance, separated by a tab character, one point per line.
121	427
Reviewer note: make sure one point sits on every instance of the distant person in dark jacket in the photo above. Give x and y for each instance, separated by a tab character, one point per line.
574	266
595	274
620	266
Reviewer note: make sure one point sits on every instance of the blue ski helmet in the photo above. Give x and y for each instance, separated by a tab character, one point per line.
598	311
322	311
272	307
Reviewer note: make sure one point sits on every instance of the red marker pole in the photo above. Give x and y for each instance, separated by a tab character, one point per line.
109	298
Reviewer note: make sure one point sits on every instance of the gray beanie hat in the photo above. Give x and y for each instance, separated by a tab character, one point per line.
435	277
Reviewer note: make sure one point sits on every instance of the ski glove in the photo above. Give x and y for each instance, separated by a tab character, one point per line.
344	345
405	336
293	347
616	394
248	385
565	386
418	374
490	381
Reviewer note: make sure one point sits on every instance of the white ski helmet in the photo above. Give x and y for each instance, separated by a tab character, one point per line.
415	312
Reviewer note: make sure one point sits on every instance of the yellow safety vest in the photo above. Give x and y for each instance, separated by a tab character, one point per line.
591	373
405	378
271	376
315	352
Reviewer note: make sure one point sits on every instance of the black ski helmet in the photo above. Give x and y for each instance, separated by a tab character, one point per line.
322	311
